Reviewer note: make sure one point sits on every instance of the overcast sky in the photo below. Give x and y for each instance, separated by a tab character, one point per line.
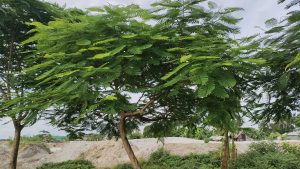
255	14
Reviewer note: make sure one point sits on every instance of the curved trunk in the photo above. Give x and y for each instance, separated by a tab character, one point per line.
129	151
225	158
16	145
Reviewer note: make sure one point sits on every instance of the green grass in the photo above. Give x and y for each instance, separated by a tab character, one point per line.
25	140
75	164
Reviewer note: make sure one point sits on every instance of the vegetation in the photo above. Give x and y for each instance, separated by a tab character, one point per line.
15	87
163	160
186	68
268	155
260	155
77	164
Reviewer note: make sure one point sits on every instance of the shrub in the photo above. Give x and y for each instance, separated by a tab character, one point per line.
269	156
94	137
135	135
163	160
76	164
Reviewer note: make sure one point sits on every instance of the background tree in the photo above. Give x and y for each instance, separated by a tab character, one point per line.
211	63
276	96
15	87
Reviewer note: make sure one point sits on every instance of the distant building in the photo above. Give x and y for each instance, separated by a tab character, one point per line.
242	136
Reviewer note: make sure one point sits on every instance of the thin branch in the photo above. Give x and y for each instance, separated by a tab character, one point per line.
142	110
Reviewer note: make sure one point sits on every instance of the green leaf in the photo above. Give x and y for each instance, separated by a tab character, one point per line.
271	22
203	78
185	58
128	36
139	49
105	41
38	66
230	19
226	80
66	73
117	50
212	5
95	9
101	55
109	98
168	75
205	90
283	81
295	61
258	61
159	37
177	49
205	57
220	92
83	42
44	75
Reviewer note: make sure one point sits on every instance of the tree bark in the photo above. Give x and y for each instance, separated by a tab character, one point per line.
225	158
234	150
126	144
16	145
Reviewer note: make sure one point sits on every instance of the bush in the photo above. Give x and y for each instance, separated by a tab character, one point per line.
135	135
94	137
76	164
206	140
163	160
262	155
269	156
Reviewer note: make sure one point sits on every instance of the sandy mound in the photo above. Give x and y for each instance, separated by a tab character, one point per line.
29	156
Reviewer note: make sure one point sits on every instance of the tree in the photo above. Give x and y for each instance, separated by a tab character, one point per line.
276	98
181	68
89	76
211	63
14	85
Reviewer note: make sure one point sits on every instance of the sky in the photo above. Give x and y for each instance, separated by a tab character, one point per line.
255	13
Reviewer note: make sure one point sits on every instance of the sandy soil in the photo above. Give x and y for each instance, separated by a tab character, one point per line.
108	153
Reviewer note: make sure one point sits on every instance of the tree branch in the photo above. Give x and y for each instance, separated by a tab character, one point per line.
142	110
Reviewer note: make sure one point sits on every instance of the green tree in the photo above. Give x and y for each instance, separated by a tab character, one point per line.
276	92
15	87
184	67
90	77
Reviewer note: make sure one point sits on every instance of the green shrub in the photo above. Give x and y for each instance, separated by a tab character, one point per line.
163	160
206	140
135	135
76	164
25	140
267	155
94	137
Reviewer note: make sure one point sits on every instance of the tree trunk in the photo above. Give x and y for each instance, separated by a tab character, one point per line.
225	158
16	144
129	151
234	150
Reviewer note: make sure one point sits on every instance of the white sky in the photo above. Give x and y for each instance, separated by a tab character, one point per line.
255	14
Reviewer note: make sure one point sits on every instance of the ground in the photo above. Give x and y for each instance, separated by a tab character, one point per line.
107	153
